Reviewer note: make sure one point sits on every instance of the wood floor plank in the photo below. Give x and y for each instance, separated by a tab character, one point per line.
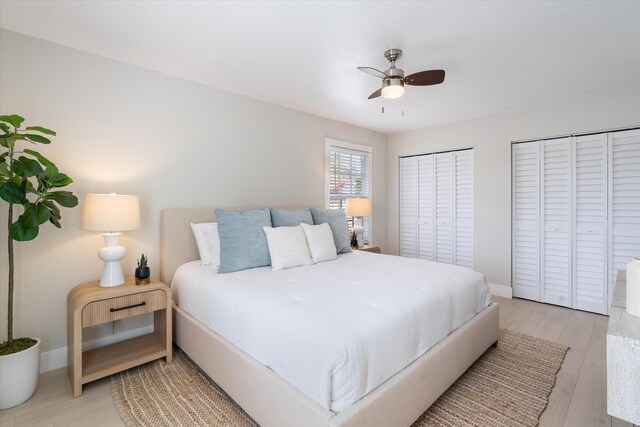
530	314
550	327
588	405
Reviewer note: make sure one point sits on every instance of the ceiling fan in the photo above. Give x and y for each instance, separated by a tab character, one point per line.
393	79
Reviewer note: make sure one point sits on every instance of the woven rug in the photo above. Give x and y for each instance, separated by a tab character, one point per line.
508	386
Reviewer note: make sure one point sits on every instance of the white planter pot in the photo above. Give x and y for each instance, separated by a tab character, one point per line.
19	376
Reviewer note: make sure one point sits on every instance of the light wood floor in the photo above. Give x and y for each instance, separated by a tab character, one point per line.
578	399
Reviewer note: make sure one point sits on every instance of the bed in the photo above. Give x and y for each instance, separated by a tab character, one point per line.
272	400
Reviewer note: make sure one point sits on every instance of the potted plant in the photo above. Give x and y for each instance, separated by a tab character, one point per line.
354	240
142	272
31	181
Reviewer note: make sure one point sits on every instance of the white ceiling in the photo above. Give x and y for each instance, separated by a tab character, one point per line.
499	56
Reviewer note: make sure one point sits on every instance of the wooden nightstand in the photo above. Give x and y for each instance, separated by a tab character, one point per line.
89	304
375	249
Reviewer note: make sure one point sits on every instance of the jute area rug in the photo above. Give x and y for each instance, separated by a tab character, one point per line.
508	386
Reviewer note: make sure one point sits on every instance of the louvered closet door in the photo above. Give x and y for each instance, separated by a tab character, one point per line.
426	205
590	269
556	222
464	208
408	207
445	244
624	199
525	216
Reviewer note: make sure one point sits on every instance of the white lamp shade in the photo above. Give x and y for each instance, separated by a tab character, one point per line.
110	212
359	207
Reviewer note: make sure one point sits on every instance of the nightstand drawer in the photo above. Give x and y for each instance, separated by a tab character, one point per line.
118	308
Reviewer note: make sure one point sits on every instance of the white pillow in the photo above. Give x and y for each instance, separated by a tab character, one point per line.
287	247
320	241
208	241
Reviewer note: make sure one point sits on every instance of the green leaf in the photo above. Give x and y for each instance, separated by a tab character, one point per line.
55	221
13	119
26	167
63	198
12	192
5	128
35	214
55	178
55	211
42	159
37	138
10	141
21	232
4	170
42	130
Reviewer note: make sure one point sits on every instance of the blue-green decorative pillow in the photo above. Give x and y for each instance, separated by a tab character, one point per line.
243	244
282	218
337	220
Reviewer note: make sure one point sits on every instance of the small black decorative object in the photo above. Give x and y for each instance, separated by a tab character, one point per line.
142	272
354	240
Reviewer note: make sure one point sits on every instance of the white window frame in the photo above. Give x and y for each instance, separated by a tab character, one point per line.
331	144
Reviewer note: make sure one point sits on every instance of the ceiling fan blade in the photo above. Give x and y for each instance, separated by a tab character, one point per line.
425	78
373	72
375	94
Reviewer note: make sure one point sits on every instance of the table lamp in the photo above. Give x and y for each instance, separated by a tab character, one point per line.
111	213
358	208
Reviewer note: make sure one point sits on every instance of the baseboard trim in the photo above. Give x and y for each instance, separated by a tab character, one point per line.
501	290
57	358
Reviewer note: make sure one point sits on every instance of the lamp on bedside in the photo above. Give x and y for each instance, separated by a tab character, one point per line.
111	213
358	208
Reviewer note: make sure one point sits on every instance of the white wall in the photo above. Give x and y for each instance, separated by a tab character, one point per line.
491	139
172	142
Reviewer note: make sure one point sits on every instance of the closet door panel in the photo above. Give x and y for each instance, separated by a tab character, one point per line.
624	199
590	198
556	220
445	244
426	207
408	207
525	220
464	208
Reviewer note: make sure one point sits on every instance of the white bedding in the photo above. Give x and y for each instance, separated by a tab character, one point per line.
335	330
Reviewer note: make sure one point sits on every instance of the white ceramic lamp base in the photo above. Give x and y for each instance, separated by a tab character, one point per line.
111	254
358	229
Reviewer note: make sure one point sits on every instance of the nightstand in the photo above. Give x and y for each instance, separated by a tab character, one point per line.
89	304
375	249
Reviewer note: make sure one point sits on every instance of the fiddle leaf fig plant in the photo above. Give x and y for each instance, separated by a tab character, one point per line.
31	181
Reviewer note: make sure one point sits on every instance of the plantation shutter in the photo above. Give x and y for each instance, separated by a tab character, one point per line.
445	244
525	215
624	199
436	207
464	208
349	177
590	290
556	217
426	207
408	206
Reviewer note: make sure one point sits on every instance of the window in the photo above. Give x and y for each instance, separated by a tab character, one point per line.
348	174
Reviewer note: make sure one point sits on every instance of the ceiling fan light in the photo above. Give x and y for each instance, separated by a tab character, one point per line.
392	89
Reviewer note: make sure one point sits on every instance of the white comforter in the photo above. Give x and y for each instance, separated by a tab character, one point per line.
335	330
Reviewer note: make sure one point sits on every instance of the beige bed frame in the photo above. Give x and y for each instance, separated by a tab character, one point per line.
272	401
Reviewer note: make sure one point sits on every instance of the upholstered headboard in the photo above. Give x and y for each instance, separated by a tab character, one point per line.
177	244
